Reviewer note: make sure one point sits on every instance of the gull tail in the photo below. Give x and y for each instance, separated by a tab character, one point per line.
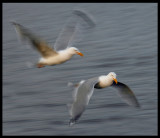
72	85
30	64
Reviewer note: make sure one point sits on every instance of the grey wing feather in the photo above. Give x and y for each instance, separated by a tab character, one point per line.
73	30
85	16
83	94
64	37
126	94
44	49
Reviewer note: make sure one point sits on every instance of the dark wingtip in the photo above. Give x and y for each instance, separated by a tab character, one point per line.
13	23
138	106
87	17
72	122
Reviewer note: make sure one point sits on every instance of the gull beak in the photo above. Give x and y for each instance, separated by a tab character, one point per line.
79	53
115	80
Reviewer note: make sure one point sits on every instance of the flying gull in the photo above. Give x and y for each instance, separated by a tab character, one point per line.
84	90
63	49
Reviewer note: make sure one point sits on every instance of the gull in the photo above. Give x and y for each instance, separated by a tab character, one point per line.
63	49
84	90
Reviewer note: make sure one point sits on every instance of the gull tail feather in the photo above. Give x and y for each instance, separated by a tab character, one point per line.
70	84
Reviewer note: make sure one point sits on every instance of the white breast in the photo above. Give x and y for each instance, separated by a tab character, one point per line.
61	57
105	81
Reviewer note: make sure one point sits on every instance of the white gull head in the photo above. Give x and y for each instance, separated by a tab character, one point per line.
73	51
112	75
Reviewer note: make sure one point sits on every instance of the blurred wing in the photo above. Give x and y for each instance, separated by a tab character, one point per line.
126	94
44	49
85	16
65	35
76	87
73	31
82	96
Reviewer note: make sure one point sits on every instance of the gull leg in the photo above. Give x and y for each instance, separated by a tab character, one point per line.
39	65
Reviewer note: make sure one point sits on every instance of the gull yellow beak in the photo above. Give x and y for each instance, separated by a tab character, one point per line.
115	80
79	53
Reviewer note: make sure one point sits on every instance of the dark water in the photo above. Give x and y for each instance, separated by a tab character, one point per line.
124	41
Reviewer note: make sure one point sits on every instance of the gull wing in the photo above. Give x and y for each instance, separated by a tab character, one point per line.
85	16
126	94
82	96
44	49
73	30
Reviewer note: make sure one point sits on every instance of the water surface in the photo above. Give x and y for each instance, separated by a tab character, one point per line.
124	41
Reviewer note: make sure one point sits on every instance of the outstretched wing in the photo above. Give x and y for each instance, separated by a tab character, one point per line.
126	94
82	96
73	30
44	49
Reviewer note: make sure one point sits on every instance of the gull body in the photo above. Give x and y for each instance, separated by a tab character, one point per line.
106	81
84	90
61	57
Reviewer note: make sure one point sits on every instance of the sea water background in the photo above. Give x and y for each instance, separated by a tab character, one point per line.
124	41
